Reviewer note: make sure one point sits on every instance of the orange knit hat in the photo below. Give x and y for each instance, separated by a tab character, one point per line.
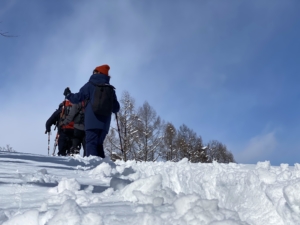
102	69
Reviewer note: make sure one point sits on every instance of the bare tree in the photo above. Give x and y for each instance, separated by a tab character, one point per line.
169	150
198	151
145	137
218	152
128	121
128	132
111	145
184	138
150	135
6	34
190	145
8	148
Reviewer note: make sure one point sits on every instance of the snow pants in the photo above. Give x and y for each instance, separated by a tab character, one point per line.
78	140
94	139
65	141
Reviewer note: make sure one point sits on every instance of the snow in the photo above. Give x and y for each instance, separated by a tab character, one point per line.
40	190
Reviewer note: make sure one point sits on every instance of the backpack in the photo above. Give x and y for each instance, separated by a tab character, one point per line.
64	113
79	117
103	99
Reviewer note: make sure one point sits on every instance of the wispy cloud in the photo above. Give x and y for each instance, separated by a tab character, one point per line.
258	148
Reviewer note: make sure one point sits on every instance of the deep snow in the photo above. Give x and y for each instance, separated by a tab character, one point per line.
37	189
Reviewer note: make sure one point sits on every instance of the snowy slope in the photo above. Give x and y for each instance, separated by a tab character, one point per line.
36	190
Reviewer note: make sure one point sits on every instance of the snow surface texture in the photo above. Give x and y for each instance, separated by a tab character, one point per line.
38	190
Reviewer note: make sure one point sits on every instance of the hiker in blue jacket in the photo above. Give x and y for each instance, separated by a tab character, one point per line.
96	126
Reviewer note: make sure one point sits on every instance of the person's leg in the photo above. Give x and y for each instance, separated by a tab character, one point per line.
81	141
69	137
76	141
84	144
101	137
62	144
91	138
100	151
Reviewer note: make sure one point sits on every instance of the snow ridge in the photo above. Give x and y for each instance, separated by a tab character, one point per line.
53	190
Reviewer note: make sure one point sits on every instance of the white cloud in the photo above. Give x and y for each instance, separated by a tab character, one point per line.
258	148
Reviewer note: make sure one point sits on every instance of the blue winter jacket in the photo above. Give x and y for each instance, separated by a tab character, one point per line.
87	93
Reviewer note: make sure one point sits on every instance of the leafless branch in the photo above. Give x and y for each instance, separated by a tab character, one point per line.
5	34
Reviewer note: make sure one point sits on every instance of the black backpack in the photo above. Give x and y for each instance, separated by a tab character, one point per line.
103	99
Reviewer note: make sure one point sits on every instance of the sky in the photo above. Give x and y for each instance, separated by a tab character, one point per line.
96	191
229	70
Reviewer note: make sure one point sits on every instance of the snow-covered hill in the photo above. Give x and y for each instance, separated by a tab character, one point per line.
36	190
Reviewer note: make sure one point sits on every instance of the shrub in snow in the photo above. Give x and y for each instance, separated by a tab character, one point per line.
7	149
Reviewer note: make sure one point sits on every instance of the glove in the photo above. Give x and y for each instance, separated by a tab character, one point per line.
67	92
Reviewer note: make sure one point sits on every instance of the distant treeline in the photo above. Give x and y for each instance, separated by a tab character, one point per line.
146	137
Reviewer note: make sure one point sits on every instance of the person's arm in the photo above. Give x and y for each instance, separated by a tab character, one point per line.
52	120
83	94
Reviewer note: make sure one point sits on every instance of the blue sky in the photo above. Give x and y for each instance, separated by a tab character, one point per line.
229	70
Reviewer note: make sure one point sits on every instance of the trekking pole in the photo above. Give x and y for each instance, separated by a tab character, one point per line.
55	125
55	143
119	132
48	142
